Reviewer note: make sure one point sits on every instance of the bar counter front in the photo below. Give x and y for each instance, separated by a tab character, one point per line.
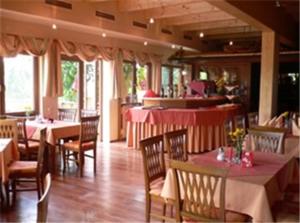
205	125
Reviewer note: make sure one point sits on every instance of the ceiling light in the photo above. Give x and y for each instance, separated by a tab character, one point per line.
103	35
173	46
277	3
54	26
201	35
145	43
231	43
151	20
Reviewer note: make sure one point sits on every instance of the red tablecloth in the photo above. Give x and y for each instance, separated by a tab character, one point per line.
202	116
205	125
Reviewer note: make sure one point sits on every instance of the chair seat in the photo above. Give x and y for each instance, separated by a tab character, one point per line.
156	187
22	168
31	145
74	145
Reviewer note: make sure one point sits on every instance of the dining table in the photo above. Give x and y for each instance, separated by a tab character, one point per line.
205	125
8	154
249	190
56	130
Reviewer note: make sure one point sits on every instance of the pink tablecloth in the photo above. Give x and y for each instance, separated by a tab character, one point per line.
55	130
251	191
8	154
205	125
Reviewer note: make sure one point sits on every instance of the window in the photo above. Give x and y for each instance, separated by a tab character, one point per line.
135	77
90	86
171	75
19	79
70	78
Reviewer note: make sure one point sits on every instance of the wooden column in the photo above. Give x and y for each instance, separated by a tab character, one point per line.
268	76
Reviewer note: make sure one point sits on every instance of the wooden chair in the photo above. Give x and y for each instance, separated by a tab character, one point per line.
266	140
42	205
28	147
87	141
228	127
252	119
87	113
8	129
176	144
205	183
67	114
29	171
239	122
154	173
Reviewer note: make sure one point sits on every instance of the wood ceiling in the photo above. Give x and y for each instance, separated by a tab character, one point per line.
175	21
193	17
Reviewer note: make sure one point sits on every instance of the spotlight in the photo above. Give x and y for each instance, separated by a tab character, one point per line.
54	26
103	35
145	43
151	20
201	35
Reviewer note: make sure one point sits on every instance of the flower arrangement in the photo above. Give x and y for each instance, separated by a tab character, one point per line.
237	138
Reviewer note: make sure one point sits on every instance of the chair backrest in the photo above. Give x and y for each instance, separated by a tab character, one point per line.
228	127
266	140
22	134
42	205
9	129
89	128
239	122
176	144
153	159
67	114
252	119
41	153
87	113
197	188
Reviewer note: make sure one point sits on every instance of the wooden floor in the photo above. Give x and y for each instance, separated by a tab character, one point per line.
115	194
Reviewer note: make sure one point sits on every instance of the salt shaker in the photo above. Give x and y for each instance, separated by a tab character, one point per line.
221	154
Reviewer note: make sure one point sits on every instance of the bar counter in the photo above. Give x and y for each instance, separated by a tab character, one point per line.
204	125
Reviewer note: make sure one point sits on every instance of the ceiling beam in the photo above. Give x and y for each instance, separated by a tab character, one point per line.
211	25
175	10
136	5
196	18
263	15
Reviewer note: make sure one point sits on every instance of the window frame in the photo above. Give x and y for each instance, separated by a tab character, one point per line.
36	89
98	66
171	68
134	79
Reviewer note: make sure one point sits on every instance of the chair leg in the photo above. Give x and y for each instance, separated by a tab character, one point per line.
148	208
95	158
6	193
38	187
81	162
164	211
64	159
13	186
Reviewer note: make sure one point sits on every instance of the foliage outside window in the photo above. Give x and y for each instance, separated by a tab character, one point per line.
171	75
90	86
165	78
135	77
19	83
70	77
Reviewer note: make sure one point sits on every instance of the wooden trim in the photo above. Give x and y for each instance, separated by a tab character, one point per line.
2	98
36	84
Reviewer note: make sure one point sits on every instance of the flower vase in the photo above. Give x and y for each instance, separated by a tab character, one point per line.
238	153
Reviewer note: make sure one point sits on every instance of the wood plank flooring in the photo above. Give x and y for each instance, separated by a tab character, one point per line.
115	194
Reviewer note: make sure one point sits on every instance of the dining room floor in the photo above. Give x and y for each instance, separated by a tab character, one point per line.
115	194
